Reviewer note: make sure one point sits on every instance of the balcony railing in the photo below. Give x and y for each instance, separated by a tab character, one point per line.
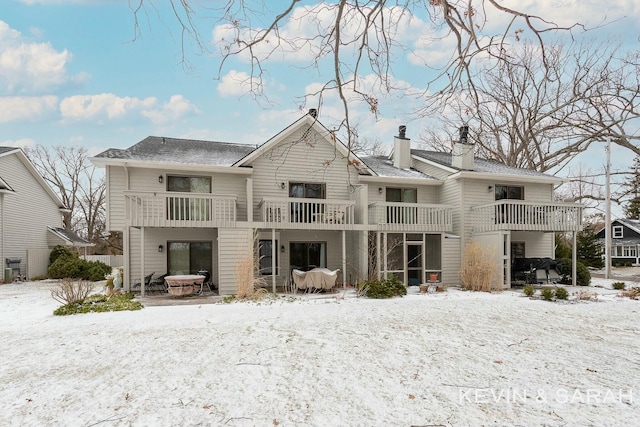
172	209
527	216
410	216
307	213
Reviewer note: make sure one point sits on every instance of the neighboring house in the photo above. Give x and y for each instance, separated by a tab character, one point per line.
30	218
625	241
303	200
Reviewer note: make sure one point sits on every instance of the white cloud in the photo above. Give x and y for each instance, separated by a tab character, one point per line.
177	107
14	108
234	83
108	106
28	67
102	106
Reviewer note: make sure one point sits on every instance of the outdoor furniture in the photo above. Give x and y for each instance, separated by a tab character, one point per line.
158	284
317	278
206	282
147	280
184	284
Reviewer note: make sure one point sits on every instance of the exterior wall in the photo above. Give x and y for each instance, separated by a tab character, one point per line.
293	160
451	261
27	212
536	245
234	244
426	193
117	184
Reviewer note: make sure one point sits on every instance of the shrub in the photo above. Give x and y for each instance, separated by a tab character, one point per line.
60	251
386	288
529	290
583	277
548	293
478	271
77	268
633	293
99	304
585	295
619	286
71	292
561	293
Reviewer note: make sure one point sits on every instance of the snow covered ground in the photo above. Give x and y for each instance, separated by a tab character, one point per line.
451	359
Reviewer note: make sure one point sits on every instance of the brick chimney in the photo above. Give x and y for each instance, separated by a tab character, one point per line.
402	149
463	151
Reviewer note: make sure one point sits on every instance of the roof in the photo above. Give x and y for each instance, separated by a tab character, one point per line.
7	149
382	166
632	224
480	165
70	237
183	151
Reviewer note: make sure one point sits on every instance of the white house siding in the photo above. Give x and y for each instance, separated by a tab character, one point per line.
493	243
434	171
316	161
426	193
117	183
451	261
536	244
27	212
234	244
156	262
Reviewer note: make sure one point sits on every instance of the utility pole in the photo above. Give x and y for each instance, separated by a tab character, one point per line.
607	218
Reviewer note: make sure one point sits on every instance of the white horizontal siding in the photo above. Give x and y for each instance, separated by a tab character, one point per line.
451	261
117	184
234	244
27	212
536	244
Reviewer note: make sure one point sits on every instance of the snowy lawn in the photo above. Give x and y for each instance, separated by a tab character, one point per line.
455	358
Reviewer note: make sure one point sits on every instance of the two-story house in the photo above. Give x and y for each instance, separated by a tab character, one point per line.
625	241
303	200
30	218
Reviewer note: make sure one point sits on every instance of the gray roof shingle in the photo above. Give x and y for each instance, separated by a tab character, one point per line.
183	151
382	166
480	165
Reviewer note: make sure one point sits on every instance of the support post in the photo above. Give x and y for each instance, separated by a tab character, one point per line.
574	261
607	225
344	259
142	284
273	260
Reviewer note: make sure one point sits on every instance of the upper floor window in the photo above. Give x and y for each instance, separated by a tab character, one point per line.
307	190
189	184
403	195
509	192
617	232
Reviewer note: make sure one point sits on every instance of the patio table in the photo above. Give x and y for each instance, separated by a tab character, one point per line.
184	284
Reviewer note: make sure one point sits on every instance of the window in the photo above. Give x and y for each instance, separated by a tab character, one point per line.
189	257
306	212
265	257
402	195
617	232
189	184
308	255
187	207
509	192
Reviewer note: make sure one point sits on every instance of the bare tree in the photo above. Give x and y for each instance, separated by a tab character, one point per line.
536	115
68	172
354	39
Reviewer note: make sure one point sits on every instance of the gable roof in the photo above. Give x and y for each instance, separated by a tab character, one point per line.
632	224
312	123
5	151
481	166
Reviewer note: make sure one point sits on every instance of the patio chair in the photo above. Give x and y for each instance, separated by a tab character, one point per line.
207	280
147	280
158	284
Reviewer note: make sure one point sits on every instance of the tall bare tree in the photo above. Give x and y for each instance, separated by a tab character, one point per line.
76	181
354	39
537	115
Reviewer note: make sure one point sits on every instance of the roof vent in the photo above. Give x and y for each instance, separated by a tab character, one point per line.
313	113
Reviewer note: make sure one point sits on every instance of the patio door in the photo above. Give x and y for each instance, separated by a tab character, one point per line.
189	257
415	263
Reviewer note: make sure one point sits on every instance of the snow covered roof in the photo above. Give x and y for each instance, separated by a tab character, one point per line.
480	165
183	151
382	166
633	224
7	149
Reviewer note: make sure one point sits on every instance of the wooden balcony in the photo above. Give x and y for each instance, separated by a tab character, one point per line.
520	215
307	214
421	217
172	209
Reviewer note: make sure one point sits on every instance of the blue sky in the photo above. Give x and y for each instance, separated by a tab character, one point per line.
73	72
